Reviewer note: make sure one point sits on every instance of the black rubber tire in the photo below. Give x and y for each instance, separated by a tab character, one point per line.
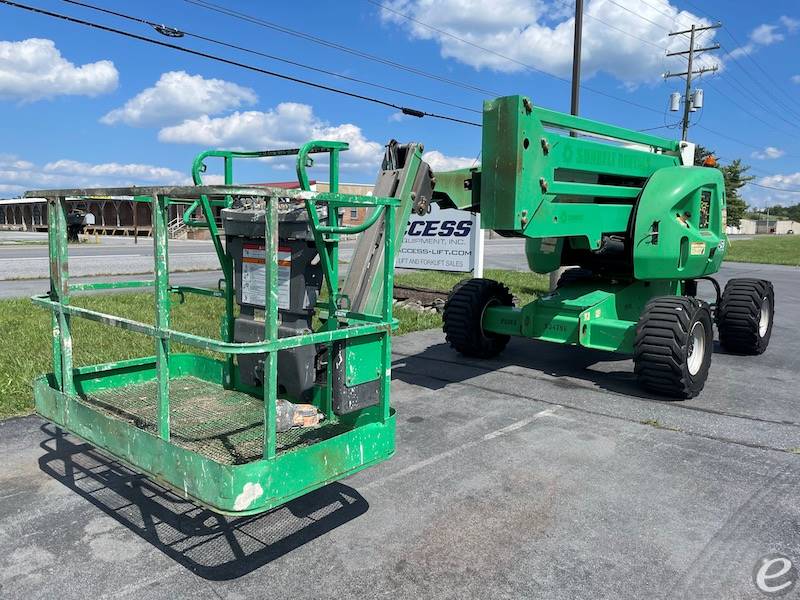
662	347
739	315
463	313
573	275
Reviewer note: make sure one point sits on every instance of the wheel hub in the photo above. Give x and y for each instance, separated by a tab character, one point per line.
696	348
763	323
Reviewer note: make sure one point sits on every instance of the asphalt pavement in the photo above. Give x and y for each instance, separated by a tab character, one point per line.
27	259
24	268
543	473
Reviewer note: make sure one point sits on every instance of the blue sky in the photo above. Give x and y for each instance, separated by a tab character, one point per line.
85	107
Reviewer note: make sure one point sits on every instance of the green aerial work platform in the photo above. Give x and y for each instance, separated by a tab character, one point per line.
638	221
296	403
202	426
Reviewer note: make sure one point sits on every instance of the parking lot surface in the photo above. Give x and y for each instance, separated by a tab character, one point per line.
543	473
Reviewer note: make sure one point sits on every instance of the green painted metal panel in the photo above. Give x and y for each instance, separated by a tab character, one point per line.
600	315
230	489
512	161
543	253
567	121
679	230
593	157
458	189
363	359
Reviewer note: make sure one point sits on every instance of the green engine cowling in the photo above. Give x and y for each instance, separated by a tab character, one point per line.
679	225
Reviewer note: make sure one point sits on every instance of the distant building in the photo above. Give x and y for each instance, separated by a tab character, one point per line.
764	226
123	216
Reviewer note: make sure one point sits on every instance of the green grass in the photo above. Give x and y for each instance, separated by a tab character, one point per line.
523	284
766	249
23	243
25	346
25	350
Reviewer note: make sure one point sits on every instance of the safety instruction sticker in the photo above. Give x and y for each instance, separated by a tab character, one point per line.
698	248
548	245
254	276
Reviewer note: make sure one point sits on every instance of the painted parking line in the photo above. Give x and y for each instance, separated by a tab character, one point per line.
548	412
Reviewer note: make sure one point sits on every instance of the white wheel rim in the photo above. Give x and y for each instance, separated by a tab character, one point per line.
763	323
697	348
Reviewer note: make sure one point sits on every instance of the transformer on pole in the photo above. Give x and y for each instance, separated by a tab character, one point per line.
691	100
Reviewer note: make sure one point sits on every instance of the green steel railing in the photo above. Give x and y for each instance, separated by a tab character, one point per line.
339	324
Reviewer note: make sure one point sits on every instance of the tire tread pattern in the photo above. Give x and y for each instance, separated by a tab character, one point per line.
739	315
660	357
463	313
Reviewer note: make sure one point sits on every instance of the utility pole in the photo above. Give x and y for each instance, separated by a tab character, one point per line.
576	58
575	98
690	72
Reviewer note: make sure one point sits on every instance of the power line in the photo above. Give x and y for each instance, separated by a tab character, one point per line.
733	139
336	46
90	24
673	17
508	58
607	24
740	88
643	18
760	68
751	58
755	116
776	101
770	187
183	32
672	126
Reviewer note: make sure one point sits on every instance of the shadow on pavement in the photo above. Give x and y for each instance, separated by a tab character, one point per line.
210	545
567	367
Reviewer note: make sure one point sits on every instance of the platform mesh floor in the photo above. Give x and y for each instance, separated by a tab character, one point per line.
224	425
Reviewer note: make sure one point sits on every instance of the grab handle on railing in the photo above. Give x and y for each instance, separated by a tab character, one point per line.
319	146
339	230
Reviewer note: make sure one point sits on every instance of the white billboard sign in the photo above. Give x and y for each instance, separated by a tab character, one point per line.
443	240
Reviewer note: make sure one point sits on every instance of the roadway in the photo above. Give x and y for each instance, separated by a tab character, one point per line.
24	263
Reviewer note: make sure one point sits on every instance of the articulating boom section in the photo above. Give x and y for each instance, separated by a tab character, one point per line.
622	202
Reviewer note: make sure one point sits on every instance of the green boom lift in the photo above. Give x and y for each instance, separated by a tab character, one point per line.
639	222
296	402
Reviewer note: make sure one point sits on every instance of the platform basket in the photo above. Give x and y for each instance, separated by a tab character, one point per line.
187	420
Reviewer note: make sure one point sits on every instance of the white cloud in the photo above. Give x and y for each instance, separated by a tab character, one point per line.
17	175
788	181
177	96
766	35
795	78
791	24
540	34
132	171
11	189
288	124
443	162
768	153
762	197
12	162
34	69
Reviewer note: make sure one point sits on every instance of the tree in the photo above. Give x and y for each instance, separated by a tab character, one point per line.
735	178
700	154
